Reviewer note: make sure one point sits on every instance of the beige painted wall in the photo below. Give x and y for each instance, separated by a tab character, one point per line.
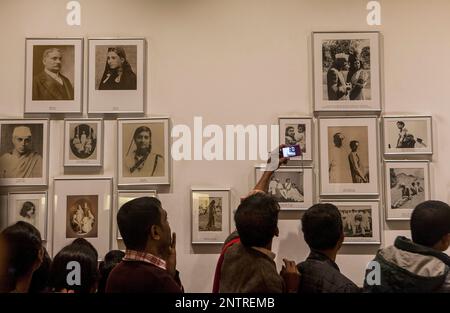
241	61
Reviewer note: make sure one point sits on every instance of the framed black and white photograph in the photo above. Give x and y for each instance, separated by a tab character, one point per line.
346	71
292	186
125	196
408	135
29	207
360	221
116	75
83	142
348	156
407	185
53	75
82	209
297	131
143	151
210	215
24	152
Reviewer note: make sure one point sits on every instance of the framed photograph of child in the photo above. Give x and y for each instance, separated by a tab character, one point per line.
407	185
210	215
83	142
297	131
54	75
346	68
408	135
292	186
82	209
116	75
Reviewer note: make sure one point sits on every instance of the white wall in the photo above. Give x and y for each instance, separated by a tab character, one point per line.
242	61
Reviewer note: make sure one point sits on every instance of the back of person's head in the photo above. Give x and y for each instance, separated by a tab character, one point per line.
87	261
24	251
135	219
39	281
430	222
256	220
87	244
322	226
112	258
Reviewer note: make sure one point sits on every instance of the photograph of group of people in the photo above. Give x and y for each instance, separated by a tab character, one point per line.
408	135
287	187
82	216
83	141
210	214
357	222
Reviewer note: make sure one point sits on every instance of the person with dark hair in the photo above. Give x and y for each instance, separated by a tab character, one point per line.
211	216
21	252
149	265
40	279
337	87
140	161
246	264
112	258
82	252
358	175
356	77
338	166
118	74
420	264
323	232
289	136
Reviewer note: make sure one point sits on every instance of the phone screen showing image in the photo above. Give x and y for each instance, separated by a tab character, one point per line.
291	151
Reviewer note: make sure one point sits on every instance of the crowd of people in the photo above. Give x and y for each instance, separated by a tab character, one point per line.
246	263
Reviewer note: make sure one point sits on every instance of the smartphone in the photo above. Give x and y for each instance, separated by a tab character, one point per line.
290	151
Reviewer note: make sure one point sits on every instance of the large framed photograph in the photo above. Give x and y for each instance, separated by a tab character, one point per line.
297	131
24	152
346	71
360	220
292	186
53	75
29	207
83	142
116	75
143	151
407	135
82	209
348	156
210	215
407	185
125	196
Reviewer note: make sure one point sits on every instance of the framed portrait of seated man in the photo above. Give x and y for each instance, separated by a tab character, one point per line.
23	152
143	151
53	75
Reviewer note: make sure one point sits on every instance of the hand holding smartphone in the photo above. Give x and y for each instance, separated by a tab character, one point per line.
290	151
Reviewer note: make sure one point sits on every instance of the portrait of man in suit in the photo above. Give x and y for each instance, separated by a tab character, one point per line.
50	83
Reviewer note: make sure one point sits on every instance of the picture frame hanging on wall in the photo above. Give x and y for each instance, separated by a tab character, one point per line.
117	75
143	151
291	186
348	149
297	131
360	221
29	207
407	185
407	135
210	215
83	142
82	209
54	75
346	68
24	152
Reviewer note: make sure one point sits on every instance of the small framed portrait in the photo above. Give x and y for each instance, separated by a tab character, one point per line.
407	135
116	77
210	215
23	152
360	220
407	185
82	209
297	131
348	156
125	196
292	186
30	208
143	151
53	75
346	71
83	142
